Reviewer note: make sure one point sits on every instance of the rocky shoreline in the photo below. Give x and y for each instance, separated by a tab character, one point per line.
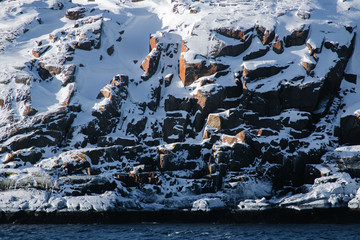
226	216
158	104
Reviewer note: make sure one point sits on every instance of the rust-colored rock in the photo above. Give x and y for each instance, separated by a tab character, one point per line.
184	48
151	62
308	66
189	72
278	46
40	51
153	43
241	136
265	35
229	139
297	37
232	33
215	121
29	111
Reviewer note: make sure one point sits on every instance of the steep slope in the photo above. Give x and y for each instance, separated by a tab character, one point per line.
179	104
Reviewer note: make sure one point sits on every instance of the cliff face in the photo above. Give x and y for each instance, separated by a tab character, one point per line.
179	104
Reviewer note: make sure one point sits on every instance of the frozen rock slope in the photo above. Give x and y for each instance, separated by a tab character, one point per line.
179	104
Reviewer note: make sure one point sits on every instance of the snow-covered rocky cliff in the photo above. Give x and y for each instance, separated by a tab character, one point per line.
179	104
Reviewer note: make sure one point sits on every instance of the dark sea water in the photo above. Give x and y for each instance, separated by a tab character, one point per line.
181	231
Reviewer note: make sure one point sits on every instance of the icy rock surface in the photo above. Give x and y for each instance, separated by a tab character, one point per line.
197	105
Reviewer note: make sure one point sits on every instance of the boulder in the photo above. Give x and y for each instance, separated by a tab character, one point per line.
234	33
151	62
259	101
37	138
38	52
174	127
262	71
229	139
278	46
297	120
31	155
297	37
224	49
75	13
110	50
69	74
208	99
171	162
256	54
266	36
168	79
84	184
303	96
243	153
84	44
308	66
105	141
350	129
175	104
136	127
189	72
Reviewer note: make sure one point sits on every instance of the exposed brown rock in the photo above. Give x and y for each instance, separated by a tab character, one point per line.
184	48
29	111
84	44
265	35
51	69
75	13
168	79
208	101
256	54
231	50
229	139
189	72
233	33
69	74
241	136
297	37
308	66
40	51
151	62
262	72
153	43
278	46
215	121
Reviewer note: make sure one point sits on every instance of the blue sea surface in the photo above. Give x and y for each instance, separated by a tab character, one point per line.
181	231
